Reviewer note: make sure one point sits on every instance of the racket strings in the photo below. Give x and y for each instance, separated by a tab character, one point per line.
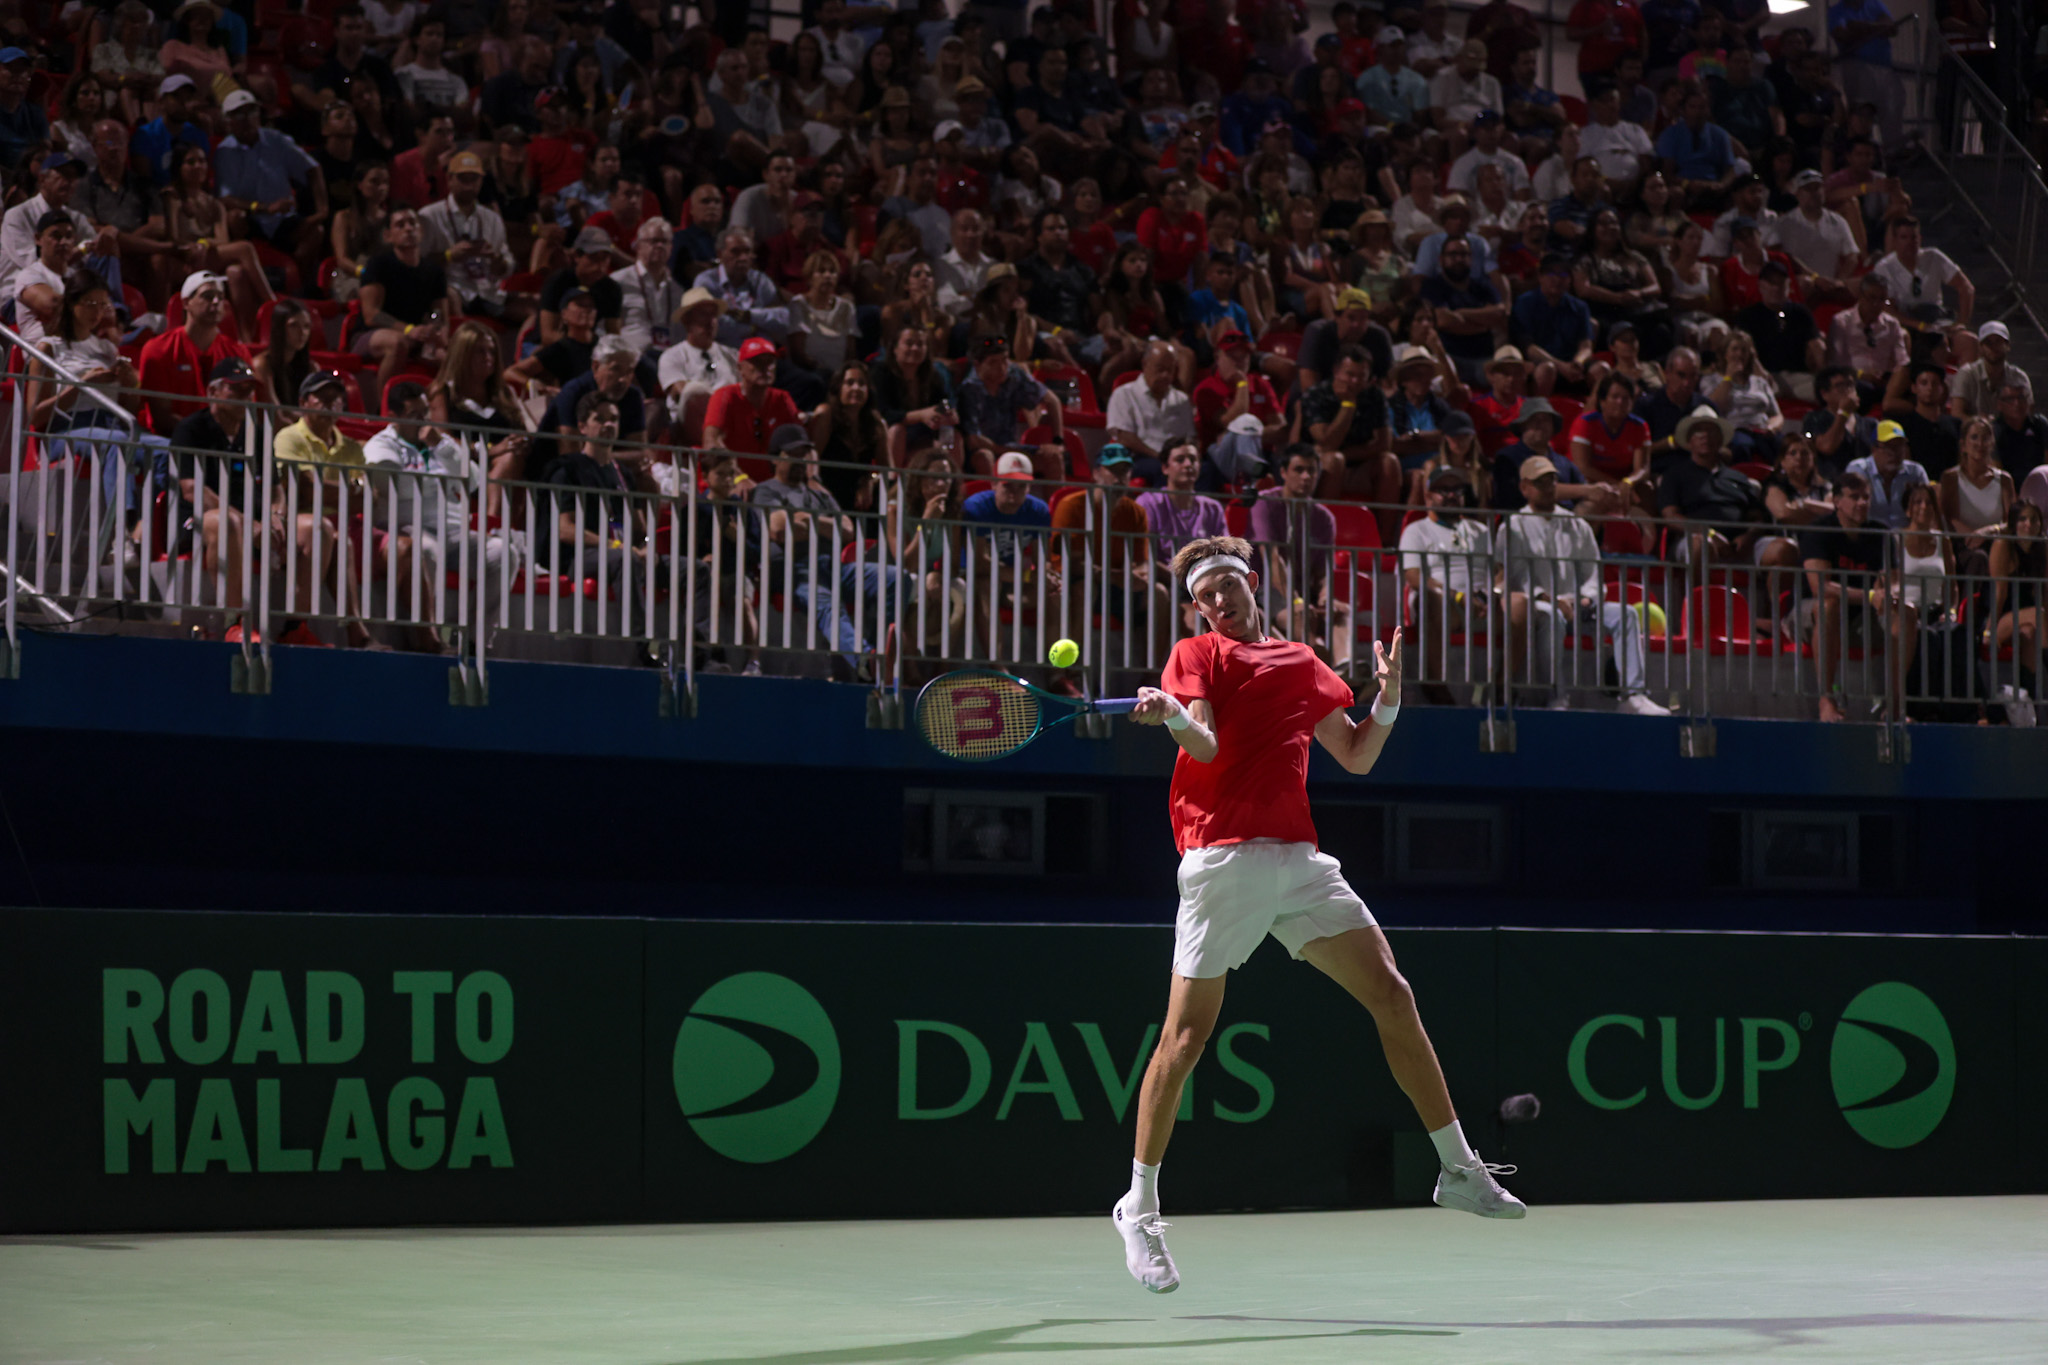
977	716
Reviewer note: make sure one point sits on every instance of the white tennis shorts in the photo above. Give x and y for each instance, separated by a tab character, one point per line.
1233	895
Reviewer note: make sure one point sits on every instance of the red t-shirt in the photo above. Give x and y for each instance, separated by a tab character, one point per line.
746	427
1739	288
1094	245
1212	397
1611	454
1176	247
1268	699
1493	419
172	364
1621	33
554	163
1357	54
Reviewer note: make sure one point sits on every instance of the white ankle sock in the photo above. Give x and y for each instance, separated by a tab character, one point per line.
1144	1188
1451	1147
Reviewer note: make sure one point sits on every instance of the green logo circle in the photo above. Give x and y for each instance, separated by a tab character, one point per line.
756	1067
1893	1064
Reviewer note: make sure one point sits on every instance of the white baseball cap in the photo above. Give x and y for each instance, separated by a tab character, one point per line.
947	129
181	81
1247	424
1994	329
238	100
1391	34
1014	465
198	280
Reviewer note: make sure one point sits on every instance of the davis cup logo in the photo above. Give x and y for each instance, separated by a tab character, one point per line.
756	1067
1893	1064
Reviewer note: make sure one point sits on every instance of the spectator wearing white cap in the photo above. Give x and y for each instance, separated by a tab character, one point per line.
1390	87
57	177
469	238
156	142
1818	240
178	361
1974	389
260	172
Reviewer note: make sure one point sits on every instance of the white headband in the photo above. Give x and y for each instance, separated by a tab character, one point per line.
1212	563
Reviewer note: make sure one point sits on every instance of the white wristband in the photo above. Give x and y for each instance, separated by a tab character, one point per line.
1383	713
1179	719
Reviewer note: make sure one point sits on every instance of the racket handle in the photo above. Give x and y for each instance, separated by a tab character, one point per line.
1115	706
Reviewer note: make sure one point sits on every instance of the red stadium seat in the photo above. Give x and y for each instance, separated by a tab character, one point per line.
1078	468
1755	469
1084	412
1237	518
1719	616
1284	344
1574	109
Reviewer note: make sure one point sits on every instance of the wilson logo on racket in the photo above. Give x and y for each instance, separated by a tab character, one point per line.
976	714
756	1067
1893	1064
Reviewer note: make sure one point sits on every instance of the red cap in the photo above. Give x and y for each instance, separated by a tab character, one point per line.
1233	338
757	346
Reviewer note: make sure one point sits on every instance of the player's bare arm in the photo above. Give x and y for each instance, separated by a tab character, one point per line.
1357	744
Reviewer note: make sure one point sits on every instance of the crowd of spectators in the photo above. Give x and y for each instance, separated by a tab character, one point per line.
1379	263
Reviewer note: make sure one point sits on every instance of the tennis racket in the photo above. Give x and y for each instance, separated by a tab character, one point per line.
975	714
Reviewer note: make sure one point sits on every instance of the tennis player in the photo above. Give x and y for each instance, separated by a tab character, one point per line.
1243	705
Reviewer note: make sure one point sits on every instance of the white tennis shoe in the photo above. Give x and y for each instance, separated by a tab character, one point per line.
1473	1189
1145	1253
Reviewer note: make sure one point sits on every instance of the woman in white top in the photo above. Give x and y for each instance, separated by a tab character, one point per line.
935	98
1150	42
85	102
83	342
1746	395
1925	563
1976	496
1695	293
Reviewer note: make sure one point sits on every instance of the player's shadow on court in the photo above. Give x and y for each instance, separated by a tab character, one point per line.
1786	1331
1004	1341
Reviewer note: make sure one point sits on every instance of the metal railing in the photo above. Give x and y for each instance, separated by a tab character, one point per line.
110	530
1994	176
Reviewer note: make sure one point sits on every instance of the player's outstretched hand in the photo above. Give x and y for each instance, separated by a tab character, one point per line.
1153	707
1387	669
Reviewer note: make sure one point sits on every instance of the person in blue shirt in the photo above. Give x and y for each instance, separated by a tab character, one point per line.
1699	157
1248	109
23	123
1863	32
1536	426
1553	326
156	142
1391	88
1208	306
1455	213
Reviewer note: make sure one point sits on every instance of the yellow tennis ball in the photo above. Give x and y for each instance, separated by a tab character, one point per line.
1652	617
1063	653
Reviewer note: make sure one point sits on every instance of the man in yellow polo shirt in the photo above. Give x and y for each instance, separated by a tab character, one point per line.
316	440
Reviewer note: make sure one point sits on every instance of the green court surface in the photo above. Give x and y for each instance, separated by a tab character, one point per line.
1868	1281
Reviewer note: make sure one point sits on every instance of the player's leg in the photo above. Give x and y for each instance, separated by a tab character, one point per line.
1191	1010
1360	961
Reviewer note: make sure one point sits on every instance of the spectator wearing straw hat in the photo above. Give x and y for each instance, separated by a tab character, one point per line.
1703	488
1497	402
699	363
1891	472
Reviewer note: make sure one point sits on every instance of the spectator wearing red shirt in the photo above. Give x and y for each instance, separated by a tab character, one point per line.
1494	409
788	251
1606	31
1608	441
960	186
1740	286
1093	240
178	361
1199	152
1176	236
553	158
1356	51
420	177
1236	388
625	209
743	416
